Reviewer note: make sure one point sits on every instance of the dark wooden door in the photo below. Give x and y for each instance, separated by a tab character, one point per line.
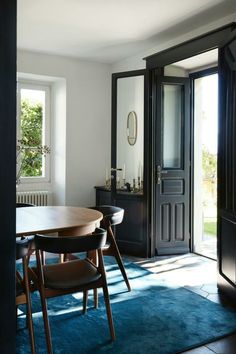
7	175
227	167
172	154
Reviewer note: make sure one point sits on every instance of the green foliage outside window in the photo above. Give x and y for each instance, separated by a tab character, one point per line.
31	132
30	150
209	164
209	169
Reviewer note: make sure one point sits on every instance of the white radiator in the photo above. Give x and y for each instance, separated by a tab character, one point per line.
39	198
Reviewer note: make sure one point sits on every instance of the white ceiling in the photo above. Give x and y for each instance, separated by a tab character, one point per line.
199	61
110	30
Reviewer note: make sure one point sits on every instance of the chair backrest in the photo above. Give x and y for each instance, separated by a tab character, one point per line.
23	205
22	247
71	244
113	214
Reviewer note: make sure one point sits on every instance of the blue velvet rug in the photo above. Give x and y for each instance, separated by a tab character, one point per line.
154	318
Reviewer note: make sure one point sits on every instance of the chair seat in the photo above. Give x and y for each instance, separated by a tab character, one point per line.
112	213
70	274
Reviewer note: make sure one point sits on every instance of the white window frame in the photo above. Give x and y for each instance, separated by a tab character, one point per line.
36	85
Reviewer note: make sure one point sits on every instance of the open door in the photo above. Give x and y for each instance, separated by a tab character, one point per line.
172	164
227	167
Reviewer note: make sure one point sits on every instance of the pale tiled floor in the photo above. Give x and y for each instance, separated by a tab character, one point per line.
198	274
207	247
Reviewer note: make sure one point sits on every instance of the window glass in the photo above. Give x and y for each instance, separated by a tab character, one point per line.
172	126
32	142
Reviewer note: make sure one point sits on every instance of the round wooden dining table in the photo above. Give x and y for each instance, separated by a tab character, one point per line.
65	220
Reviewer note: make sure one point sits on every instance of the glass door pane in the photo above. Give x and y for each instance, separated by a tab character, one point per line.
205	164
172	110
129	134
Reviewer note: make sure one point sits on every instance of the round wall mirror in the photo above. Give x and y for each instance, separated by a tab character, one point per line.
132	127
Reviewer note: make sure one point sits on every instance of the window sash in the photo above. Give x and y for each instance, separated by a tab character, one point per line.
45	129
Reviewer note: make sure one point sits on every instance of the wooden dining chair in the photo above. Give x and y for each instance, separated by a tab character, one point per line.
112	216
25	205
23	286
72	276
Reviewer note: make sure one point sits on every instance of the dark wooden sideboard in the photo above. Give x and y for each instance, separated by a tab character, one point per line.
131	234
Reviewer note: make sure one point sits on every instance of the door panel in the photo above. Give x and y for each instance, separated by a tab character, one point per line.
227	168
172	147
228	247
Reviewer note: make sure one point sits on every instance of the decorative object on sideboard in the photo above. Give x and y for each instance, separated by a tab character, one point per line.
136	186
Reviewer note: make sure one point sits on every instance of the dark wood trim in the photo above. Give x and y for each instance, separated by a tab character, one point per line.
146	166
7	173
204	72
226	226
113	129
140	248
115	77
225	285
208	41
151	75
131	73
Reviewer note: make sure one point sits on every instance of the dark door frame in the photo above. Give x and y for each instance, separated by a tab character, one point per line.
140	244
7	173
196	75
155	66
226	169
203	43
115	77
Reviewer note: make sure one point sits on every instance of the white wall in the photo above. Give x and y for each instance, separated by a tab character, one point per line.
172	70
58	135
84	136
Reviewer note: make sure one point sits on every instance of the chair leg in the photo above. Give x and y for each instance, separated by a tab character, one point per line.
44	305
30	326
43	257
16	317
95	297
106	296
93	257
29	307
85	301
46	323
109	313
122	269
116	253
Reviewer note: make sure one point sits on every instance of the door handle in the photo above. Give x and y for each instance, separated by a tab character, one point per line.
159	173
